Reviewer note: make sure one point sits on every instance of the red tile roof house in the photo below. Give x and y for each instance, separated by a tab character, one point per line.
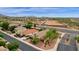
29	32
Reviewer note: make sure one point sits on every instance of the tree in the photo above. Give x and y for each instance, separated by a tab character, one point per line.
5	25
1	36
29	25
35	40
12	29
77	38
50	35
12	46
34	25
2	43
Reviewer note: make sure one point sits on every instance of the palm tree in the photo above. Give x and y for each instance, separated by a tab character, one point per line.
51	34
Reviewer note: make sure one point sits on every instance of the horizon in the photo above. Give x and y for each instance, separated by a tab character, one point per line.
40	11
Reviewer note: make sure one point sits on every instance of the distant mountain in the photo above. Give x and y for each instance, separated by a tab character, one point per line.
2	15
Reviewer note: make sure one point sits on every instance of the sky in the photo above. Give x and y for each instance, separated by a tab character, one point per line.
40	11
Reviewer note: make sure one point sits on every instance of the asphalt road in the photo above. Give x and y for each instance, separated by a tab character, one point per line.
23	46
63	29
71	46
67	30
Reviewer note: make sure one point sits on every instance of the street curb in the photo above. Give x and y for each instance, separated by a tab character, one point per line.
23	41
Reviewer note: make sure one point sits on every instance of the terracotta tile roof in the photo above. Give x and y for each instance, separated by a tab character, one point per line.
29	31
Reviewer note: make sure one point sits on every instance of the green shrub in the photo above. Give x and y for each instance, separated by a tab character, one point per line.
2	43
1	36
29	25
35	40
77	38
12	29
5	25
40	29
12	46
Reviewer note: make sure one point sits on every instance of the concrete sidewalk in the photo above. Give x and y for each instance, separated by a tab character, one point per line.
24	46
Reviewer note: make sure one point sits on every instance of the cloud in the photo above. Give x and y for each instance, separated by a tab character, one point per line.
40	11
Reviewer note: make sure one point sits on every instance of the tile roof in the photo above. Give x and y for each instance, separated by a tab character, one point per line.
29	31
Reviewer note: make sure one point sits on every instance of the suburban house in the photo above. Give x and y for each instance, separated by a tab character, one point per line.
20	29
29	32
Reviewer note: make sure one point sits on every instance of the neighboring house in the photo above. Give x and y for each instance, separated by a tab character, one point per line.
20	29
29	32
23	31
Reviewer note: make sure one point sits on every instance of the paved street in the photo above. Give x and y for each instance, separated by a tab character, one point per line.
23	46
71	46
65	30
